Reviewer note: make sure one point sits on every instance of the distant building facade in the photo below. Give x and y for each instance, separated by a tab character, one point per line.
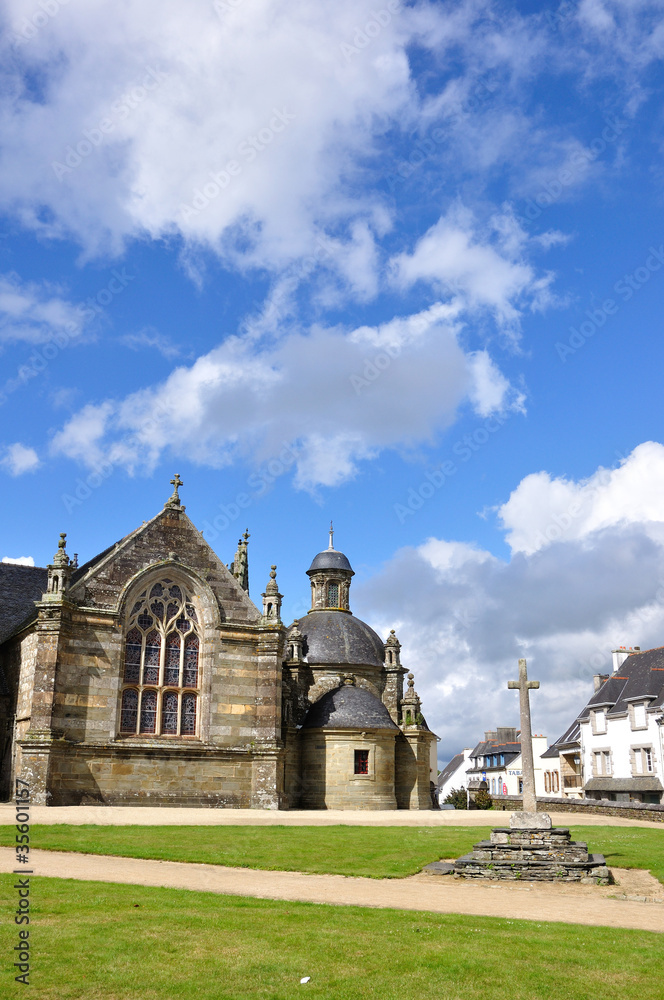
148	676
614	748
497	760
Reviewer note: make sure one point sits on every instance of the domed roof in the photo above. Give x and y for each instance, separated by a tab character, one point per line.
330	559
348	707
337	637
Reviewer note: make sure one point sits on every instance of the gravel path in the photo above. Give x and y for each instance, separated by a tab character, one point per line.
568	903
184	816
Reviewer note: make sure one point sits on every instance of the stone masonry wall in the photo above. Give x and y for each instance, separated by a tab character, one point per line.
629	810
328	767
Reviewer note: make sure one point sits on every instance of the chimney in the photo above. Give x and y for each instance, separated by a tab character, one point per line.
506	735
620	655
598	680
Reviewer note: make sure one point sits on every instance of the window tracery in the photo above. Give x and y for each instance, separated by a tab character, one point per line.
161	676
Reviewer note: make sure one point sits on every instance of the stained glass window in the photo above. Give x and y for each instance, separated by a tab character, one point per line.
129	713
151	665
157	609
361	762
191	662
169	713
188	721
149	712
172	666
132	670
163	615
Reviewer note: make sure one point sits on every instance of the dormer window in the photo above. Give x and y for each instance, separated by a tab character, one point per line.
599	721
638	717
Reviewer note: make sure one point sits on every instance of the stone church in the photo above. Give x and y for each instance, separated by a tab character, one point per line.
147	676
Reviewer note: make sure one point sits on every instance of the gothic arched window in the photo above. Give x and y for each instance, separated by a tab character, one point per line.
129	714
161	664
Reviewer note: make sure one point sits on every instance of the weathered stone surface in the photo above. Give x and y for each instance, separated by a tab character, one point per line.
65	676
540	855
530	821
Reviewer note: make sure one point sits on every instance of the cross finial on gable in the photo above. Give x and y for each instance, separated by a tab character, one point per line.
176	482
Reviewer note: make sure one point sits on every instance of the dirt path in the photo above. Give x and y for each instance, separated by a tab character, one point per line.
186	816
526	901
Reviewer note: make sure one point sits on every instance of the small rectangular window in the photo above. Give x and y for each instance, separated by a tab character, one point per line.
361	762
599	721
639	716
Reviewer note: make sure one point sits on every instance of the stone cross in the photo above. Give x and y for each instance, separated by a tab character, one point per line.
523	685
177	483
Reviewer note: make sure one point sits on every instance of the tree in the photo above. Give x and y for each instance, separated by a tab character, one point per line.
482	799
457	798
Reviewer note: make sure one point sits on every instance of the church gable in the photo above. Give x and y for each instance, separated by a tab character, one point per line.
169	539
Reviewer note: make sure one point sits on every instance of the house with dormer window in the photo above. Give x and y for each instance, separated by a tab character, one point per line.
616	742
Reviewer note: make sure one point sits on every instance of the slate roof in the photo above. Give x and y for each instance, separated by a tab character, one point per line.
449	769
330	559
330	637
641	676
348	707
490	746
20	587
642	783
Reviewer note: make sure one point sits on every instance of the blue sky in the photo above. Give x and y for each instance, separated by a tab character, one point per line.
398	265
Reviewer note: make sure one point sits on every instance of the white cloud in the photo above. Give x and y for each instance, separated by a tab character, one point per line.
486	270
37	313
253	97
241	101
19	459
464	616
542	509
149	339
340	398
20	561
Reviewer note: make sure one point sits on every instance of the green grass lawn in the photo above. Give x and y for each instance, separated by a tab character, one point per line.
94	941
378	852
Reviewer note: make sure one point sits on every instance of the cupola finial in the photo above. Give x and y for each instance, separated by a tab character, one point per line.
331	545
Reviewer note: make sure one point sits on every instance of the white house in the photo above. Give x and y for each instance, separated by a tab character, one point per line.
614	750
497	760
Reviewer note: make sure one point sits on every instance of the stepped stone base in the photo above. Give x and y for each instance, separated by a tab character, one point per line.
542	855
